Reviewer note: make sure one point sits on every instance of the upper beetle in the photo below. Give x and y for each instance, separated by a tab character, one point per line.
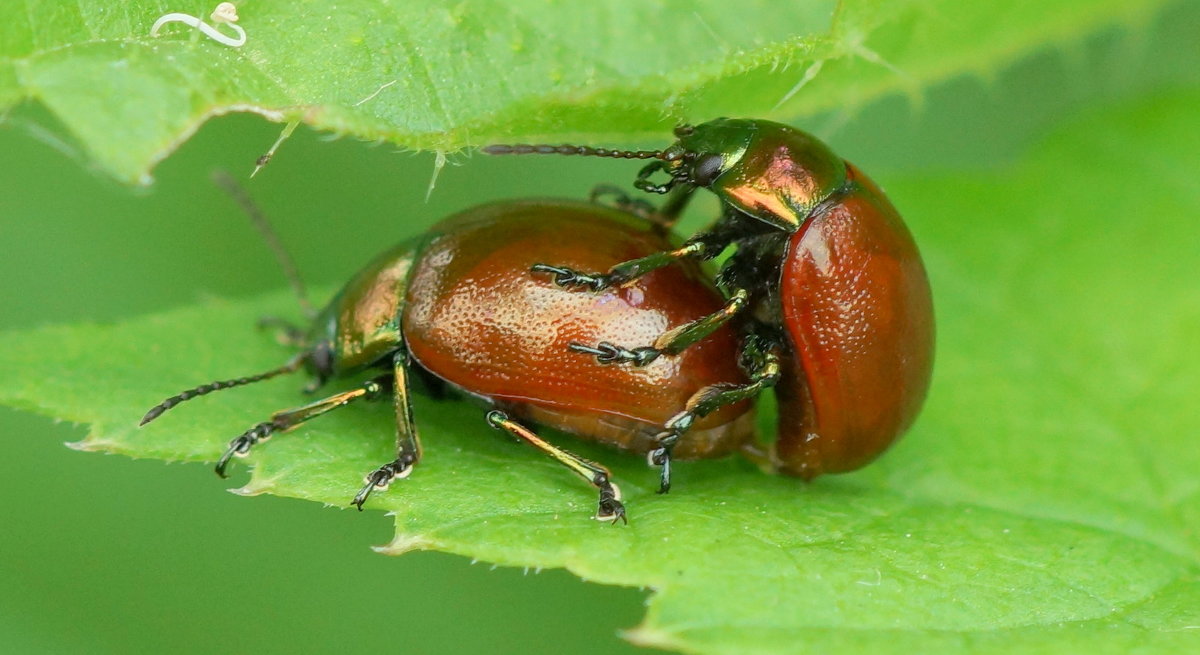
457	305
840	301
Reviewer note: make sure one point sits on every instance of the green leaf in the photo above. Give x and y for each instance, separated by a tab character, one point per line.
1047	500
441	77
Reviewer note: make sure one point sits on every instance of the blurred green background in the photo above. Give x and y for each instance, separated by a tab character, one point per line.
105	554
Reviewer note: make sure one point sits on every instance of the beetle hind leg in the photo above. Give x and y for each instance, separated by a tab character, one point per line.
761	360
609	507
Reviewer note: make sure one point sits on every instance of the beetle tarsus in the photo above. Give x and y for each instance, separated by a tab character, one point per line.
611	510
610	507
240	446
609	353
567	278
380	479
643	182
661	456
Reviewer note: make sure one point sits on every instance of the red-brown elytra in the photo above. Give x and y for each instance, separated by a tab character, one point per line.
458	306
826	277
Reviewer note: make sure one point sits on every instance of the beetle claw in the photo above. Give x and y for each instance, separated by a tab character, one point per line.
223	462
610	508
380	479
240	445
612	511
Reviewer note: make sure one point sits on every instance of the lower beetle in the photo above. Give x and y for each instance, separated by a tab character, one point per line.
824	264
458	304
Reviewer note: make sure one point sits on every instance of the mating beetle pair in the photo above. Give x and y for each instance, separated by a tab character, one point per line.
826	291
839	299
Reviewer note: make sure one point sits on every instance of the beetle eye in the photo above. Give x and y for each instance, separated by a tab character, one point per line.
684	130
707	169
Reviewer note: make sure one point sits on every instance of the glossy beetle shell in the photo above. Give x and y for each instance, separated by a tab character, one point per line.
857	310
476	317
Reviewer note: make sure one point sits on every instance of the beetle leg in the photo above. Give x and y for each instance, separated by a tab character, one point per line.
764	373
643	182
287	334
663	217
673	341
623	202
408	447
697	247
286	420
702	246
623	272
610	507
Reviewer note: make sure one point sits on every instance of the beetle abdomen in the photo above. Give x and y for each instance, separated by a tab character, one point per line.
478	318
859	317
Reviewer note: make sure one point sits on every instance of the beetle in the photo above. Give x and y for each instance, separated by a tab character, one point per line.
824	264
457	305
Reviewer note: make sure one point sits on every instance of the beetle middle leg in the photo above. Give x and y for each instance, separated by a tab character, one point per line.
610	507
286	420
408	446
760	357
702	246
671	342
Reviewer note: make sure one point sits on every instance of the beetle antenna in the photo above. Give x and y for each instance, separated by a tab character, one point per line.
292	366
256	216
582	151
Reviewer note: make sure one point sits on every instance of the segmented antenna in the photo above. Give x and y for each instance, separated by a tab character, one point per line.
256	216
582	151
157	411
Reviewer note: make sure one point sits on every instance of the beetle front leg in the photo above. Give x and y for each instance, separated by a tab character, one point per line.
408	446
609	507
644	183
664	217
623	202
673	341
286	420
764	372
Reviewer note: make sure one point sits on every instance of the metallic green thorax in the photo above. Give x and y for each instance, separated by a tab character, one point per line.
361	324
767	170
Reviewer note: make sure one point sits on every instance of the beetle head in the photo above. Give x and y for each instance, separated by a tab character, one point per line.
703	153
